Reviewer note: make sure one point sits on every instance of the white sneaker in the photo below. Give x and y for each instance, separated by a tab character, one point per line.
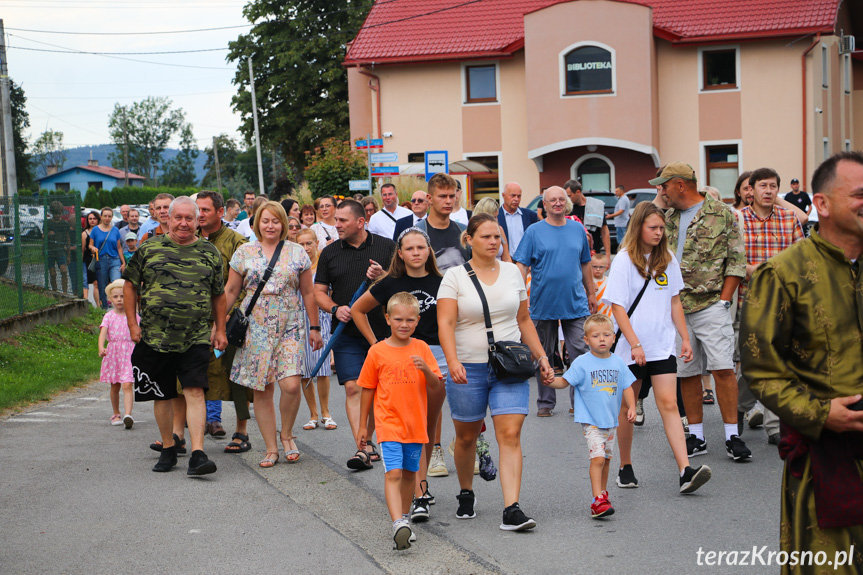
402	534
756	418
128	421
639	412
437	466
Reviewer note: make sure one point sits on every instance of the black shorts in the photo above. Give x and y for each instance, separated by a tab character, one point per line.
658	367
156	373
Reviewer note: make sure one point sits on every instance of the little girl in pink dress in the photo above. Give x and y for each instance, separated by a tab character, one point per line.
117	356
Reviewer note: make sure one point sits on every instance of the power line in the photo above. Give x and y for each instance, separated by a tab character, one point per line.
129	33
127	97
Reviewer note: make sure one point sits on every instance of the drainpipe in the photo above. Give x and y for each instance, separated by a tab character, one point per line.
375	87
805	110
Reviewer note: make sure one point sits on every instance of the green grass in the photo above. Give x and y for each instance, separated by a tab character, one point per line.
48	359
32	301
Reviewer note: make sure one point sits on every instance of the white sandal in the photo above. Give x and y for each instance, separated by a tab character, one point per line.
312	424
329	423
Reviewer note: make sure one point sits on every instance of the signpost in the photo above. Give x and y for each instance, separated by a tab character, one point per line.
383	171
369	143
383	157
360	186
437	162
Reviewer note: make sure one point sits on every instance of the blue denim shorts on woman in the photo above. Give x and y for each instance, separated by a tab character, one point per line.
468	402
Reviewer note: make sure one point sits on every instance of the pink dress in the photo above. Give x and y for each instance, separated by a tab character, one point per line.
117	365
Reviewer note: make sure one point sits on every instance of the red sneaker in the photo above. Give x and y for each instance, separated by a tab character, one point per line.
601	507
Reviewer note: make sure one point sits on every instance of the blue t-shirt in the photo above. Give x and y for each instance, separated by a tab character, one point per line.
599	385
555	255
110	249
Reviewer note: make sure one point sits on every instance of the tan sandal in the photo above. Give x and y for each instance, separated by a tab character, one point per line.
268	461
291	455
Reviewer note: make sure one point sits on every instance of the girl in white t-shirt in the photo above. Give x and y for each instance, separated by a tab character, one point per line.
648	345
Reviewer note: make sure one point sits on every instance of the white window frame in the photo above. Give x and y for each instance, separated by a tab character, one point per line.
561	69
718	48
825	67
464	67
573	169
702	155
499	155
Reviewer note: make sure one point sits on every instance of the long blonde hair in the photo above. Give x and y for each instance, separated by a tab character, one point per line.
660	257
312	235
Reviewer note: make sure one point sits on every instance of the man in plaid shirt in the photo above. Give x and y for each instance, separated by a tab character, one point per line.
768	229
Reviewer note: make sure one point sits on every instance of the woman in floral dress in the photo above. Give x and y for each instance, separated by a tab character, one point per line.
274	347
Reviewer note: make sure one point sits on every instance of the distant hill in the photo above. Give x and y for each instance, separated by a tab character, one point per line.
79	157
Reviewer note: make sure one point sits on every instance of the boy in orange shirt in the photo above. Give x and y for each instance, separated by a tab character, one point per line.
599	265
395	376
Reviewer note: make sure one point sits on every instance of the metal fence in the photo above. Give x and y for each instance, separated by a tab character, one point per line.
40	252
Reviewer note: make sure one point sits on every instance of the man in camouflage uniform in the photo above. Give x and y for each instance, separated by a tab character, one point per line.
709	246
179	278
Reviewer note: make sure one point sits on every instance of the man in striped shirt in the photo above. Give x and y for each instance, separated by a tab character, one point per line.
768	229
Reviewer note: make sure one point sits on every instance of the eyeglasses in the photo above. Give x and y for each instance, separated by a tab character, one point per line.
417	201
290	227
557	201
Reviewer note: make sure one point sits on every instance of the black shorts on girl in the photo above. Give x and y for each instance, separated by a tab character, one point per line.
156	373
658	367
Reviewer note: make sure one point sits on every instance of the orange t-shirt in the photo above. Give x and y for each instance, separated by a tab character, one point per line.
401	404
603	308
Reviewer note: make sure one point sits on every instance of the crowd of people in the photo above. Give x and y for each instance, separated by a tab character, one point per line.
420	298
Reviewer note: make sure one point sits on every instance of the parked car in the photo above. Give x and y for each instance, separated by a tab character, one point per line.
639	195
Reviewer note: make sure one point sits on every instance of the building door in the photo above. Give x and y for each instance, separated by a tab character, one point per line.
594	175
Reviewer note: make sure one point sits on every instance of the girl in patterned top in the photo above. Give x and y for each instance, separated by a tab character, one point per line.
117	354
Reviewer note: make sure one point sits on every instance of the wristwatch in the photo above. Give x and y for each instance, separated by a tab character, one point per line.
334	309
315	328
726	303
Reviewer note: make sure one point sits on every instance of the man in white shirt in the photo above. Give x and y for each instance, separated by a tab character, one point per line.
419	207
383	223
512	218
459	214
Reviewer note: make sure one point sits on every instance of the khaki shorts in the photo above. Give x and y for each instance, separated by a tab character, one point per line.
711	334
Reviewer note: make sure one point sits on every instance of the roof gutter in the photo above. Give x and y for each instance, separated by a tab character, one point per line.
805	106
375	86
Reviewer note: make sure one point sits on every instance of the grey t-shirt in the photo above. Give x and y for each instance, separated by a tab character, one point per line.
622	220
686	217
447	246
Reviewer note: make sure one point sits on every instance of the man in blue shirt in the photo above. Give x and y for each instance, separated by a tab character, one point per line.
561	290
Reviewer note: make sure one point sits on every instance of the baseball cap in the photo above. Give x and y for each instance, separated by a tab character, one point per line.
674	170
795	181
131	236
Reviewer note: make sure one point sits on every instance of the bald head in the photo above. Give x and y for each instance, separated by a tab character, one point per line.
554	200
419	203
511	197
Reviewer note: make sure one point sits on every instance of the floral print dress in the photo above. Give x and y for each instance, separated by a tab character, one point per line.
275	341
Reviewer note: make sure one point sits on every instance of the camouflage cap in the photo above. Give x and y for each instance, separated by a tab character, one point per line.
674	170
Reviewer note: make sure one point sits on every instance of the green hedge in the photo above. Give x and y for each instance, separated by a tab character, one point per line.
132	195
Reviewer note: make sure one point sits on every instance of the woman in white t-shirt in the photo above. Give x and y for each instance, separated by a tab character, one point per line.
325	227
472	386
648	342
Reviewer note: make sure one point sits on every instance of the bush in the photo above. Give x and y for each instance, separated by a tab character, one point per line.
332	166
132	195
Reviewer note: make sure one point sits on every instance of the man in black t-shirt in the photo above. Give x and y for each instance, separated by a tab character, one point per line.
598	229
445	234
800	199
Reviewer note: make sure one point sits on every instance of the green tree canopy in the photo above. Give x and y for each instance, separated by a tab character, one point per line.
297	48
149	124
48	150
20	121
180	170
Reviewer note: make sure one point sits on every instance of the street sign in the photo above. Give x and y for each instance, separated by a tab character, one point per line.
381	171
437	162
366	144
383	157
360	185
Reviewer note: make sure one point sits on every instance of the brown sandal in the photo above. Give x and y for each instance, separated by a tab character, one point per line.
268	461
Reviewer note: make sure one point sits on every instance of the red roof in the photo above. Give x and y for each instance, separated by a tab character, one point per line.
427	30
112	172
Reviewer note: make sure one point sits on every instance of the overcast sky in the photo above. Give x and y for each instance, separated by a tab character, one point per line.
76	93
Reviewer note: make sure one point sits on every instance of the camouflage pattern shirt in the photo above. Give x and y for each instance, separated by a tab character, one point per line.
712	250
176	284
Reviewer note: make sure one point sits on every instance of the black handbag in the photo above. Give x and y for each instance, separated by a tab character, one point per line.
238	323
629	313
511	360
94	262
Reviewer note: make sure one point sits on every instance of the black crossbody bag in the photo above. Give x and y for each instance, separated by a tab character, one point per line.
238	323
511	360
629	313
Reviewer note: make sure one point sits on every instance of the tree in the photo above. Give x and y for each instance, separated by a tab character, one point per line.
48	150
227	162
333	166
180	170
149	125
21	121
297	48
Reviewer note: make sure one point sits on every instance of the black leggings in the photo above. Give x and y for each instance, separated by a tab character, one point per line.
645	390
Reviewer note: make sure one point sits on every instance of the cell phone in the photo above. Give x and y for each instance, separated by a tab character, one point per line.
857	406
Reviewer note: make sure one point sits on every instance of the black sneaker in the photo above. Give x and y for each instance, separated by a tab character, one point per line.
419	510
424	485
737	450
514	519
200	465
695	446
626	477
466	501
692	479
167	460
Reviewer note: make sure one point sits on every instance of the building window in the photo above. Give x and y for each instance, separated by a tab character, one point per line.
484	185
847	145
719	69
846	64
825	68
722	168
62	186
595	175
95	185
480	83
588	70
826	152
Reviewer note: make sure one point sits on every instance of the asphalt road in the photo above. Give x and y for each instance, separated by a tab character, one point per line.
78	496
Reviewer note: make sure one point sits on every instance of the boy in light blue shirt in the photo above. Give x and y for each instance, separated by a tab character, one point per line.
600	380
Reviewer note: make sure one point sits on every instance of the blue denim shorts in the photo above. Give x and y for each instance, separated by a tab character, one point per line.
349	354
397	455
468	402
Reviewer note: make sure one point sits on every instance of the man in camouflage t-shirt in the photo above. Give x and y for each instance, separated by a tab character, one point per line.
179	279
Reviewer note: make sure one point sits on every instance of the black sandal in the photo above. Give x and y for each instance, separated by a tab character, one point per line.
707	397
180	444
360	461
240	447
374	456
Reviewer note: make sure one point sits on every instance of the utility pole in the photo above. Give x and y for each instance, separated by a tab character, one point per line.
216	158
11	187
125	149
257	134
274	168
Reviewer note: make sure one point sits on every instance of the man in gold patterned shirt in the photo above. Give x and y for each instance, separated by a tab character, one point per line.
802	353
